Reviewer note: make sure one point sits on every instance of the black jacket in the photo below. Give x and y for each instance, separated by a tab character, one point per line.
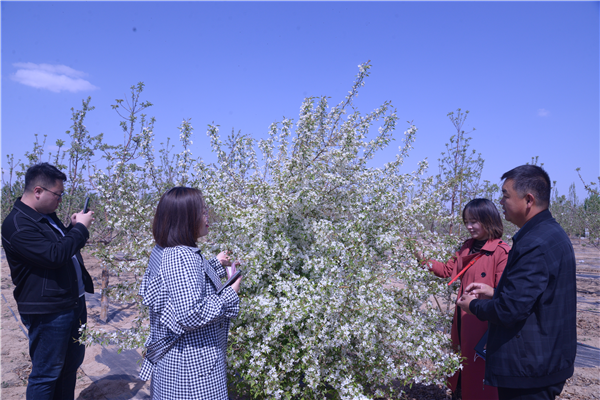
532	338
40	261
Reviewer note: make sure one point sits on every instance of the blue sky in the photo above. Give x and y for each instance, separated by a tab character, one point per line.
528	72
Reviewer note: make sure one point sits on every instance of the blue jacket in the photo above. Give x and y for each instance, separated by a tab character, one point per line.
532	338
40	260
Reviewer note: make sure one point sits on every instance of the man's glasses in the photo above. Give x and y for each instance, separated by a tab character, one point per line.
54	193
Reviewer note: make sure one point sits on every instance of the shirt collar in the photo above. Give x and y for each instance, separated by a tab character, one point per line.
489	246
529	225
192	249
30	212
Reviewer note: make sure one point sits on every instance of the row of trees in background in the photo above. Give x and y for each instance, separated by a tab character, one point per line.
333	301
579	218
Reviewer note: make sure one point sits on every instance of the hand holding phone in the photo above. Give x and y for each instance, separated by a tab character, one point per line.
231	269
236	276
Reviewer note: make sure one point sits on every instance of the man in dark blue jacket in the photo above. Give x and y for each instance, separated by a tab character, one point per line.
50	281
532	339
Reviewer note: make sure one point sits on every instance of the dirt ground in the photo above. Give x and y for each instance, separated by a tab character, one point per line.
106	377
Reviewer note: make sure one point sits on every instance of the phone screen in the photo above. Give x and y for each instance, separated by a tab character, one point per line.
87	203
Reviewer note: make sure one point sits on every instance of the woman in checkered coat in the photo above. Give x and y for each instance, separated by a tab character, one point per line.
189	321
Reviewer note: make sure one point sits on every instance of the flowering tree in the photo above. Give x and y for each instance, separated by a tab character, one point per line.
128	187
321	234
459	178
81	149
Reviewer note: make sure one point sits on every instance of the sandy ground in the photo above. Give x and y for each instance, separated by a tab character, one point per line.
106	375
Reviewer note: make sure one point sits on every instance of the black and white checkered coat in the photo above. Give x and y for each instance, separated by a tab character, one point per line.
179	287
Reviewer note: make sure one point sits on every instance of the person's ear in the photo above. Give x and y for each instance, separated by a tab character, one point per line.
37	192
530	199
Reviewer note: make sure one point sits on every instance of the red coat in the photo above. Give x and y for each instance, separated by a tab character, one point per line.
488	269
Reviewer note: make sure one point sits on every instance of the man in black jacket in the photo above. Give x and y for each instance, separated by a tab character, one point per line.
50	281
532	339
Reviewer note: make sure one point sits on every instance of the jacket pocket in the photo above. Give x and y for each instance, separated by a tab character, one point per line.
56	282
208	352
520	345
210	357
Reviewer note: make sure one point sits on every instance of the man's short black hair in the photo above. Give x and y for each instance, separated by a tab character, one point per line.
44	175
531	179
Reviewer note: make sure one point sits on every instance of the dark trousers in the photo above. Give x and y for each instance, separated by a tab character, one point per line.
544	393
55	354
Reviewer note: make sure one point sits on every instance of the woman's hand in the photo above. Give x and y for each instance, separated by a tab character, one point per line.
224	259
236	285
419	256
480	290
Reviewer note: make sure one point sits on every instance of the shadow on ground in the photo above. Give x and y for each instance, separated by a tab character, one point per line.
115	387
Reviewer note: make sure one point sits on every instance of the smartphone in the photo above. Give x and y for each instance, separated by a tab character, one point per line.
230	281
87	203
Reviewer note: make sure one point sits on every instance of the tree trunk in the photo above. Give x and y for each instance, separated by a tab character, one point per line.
104	300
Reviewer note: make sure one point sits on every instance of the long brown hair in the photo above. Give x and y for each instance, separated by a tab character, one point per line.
179	217
486	213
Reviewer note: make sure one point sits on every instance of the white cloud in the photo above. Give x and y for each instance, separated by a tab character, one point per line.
55	78
543	113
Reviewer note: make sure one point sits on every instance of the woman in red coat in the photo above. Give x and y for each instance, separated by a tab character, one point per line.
484	257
